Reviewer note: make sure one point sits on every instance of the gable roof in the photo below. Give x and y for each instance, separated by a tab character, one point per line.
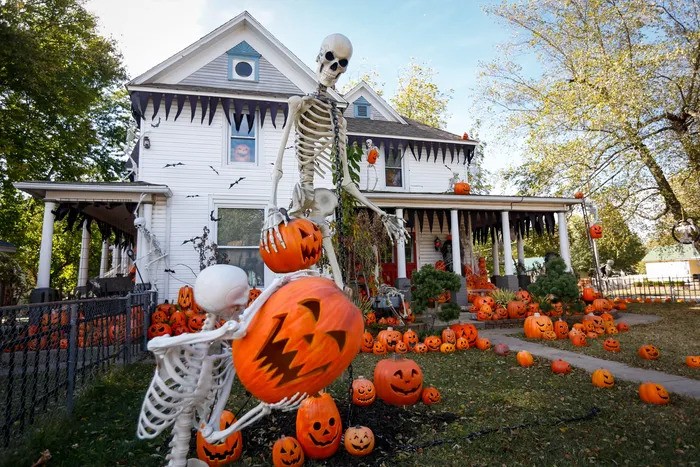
410	129
364	90
217	42
679	252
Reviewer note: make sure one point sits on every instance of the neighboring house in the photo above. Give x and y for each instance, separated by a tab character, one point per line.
212	118
672	261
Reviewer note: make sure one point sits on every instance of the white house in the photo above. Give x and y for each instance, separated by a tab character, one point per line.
672	261
211	121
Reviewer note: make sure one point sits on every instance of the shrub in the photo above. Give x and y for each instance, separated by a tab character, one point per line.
557	282
449	312
428	283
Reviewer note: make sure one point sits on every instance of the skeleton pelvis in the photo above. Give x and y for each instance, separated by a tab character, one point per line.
321	202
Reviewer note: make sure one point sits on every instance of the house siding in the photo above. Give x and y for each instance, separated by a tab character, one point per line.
215	74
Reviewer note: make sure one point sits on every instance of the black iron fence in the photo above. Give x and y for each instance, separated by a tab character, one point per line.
49	350
684	288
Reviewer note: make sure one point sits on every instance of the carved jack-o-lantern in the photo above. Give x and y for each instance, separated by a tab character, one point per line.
287	452
378	348
462	343
653	393
390	337
224	452
433	343
611	345
185	296
410	338
253	294
359	441
449	336
367	342
430	396
467	331
536	325
158	329
304	243
648	352
398	381
196	322
319	427
401	347
446	347
420	348
596	231
302	338
693	361
363	392
602	378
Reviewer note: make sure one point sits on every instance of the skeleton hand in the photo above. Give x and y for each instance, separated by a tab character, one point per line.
394	227
271	229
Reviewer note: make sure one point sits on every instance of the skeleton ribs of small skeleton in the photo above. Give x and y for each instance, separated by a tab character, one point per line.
321	138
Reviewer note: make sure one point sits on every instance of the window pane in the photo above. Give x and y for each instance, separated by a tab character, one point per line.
249	260
393	177
244	129
242	150
394	159
239	227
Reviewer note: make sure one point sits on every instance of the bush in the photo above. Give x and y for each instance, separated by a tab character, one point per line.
449	312
428	283
556	282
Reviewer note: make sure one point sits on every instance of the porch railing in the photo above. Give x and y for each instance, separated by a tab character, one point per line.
49	350
641	286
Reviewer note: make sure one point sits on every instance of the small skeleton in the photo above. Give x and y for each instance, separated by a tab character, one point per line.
194	372
321	140
369	145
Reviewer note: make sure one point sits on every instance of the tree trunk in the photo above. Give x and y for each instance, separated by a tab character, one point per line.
665	189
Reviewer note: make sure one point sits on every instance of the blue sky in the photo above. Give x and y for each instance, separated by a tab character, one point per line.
450	36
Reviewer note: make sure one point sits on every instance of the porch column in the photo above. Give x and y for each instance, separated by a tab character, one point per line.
496	259
470	239
400	251
564	248
124	261
116	258
104	258
44	274
507	252
84	256
454	231
521	250
143	245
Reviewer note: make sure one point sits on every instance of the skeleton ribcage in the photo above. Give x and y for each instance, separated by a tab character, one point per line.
314	140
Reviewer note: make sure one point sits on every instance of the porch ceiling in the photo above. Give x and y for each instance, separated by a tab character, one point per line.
471	202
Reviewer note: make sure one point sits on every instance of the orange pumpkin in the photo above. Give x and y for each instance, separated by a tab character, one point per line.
447	347
378	348
304	245
449	336
367	342
160	316
462	188
602	304
516	309
484	313
623	327
484	300
483	343
578	195
301	339
158	329
196	322
253	294
523	296
653	393
536	325
500	312
467	331
318	426
430	396
372	156
363	392
561	367
693	361
185	296
589	294
398	381
370	318
222	453
420	348
561	329
359	441
401	347
390	337
433	343
410	338
648	352
287	452
596	231
602	378
611	345
578	339
525	358
462	343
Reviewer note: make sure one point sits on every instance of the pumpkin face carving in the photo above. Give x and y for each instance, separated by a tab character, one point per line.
602	378
287	452
224	452
462	343
158	329
185	296
467	331
648	352
447	348
319	427
378	348
398	381
303	240
253	294
611	345
693	361
390	338
400	347
301	339
359	441
433	343
430	396
420	348
196	322
448	335
596	231
653	393
410	338
536	325
367	342
363	392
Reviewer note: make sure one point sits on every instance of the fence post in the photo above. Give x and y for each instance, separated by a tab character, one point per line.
673	298
127	327
72	357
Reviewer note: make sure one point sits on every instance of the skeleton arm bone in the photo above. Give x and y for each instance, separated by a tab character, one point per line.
274	217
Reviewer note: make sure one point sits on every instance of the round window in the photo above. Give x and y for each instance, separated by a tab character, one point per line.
244	69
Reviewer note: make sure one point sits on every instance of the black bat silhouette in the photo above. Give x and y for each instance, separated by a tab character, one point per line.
191	240
157	124
236	182
211	216
192	196
171	271
212	168
172	165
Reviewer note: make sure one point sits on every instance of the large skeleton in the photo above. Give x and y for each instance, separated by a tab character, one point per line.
194	372
321	140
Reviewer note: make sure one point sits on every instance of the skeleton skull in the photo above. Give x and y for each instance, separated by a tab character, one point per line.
333	59
222	290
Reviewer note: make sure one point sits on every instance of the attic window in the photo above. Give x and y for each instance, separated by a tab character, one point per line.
361	108
243	63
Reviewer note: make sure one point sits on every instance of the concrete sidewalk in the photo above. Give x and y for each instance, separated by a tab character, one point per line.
673	383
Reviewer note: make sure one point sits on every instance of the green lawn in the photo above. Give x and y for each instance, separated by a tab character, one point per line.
675	335
483	394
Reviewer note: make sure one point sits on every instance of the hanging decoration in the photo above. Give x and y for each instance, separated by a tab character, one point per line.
596	231
686	232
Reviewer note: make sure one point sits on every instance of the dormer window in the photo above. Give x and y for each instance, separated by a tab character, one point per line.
362	108
243	63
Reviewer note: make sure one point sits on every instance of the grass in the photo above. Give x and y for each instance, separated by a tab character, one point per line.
481	391
675	335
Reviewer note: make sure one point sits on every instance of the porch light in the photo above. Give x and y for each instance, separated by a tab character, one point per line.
146	142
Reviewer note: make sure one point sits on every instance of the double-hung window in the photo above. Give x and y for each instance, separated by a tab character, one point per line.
243	142
393	168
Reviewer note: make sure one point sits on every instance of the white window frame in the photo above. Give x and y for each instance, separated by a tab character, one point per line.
227	149
404	173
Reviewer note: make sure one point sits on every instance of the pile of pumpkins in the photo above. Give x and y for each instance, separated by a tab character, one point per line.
459	336
591	326
408	317
175	319
486	308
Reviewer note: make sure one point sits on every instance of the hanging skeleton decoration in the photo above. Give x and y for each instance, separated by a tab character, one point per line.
194	372
321	140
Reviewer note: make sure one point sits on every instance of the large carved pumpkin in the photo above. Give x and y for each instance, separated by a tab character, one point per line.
301	339
224	452
398	381
319	427
303	240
